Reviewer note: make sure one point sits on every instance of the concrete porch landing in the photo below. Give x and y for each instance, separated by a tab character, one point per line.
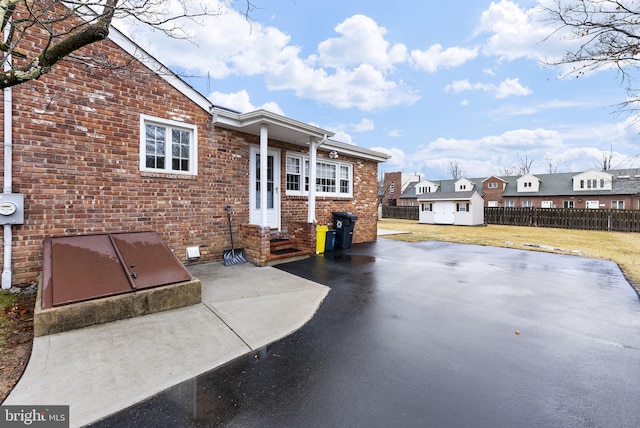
102	369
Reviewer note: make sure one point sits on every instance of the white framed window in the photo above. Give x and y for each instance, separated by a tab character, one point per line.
392	187
492	204
527	204
509	204
168	146
567	204
426	206
493	185
462	207
294	173
617	205
332	178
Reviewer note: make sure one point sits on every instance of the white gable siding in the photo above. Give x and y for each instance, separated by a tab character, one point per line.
464	185
426	186
528	183
592	180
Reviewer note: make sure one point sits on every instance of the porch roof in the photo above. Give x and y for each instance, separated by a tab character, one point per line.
288	130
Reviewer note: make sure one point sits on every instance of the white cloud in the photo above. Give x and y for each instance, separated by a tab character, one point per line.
354	70
365	87
507	88
515	34
241	102
395	133
436	58
364	125
397	160
362	42
512	87
342	136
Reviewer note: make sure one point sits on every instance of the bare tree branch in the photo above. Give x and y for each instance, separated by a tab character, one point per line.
67	26
608	32
524	164
455	170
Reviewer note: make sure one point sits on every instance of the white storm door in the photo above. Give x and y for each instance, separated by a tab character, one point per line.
272	188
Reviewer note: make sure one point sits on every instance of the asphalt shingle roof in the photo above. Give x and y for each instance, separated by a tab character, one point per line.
558	184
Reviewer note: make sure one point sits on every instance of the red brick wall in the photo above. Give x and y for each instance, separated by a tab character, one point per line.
492	194
388	197
76	160
363	204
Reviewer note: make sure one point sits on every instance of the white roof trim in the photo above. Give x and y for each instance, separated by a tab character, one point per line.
242	120
353	150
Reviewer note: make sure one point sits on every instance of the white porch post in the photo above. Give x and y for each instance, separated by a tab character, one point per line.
313	152
311	208
264	145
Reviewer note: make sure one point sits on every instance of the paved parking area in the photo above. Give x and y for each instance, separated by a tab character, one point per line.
435	334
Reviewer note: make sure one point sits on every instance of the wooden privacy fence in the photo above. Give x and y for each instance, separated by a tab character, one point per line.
566	218
563	218
407	213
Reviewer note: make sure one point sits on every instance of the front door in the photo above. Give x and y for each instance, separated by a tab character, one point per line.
272	188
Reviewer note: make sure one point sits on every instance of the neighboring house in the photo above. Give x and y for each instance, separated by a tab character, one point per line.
613	189
99	150
394	185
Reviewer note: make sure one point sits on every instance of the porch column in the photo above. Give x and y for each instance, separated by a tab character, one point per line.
313	152
264	154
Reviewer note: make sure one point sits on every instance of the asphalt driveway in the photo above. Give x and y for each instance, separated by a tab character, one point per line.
434	334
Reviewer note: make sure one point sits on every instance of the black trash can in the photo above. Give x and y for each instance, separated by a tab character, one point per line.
344	222
330	242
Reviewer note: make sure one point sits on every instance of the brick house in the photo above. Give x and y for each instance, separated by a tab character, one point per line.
394	185
98	150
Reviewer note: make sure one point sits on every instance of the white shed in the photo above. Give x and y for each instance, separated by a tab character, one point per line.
459	208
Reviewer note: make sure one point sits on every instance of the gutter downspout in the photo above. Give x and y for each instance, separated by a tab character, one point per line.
8	173
313	155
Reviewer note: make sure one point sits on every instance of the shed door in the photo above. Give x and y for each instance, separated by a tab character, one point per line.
444	212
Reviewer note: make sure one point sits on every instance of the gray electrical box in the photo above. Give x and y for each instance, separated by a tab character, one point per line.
11	208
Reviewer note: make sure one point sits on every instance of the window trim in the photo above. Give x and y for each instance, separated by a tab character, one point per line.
170	125
304	175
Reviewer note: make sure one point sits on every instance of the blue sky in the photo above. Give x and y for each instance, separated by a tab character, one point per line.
428	82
